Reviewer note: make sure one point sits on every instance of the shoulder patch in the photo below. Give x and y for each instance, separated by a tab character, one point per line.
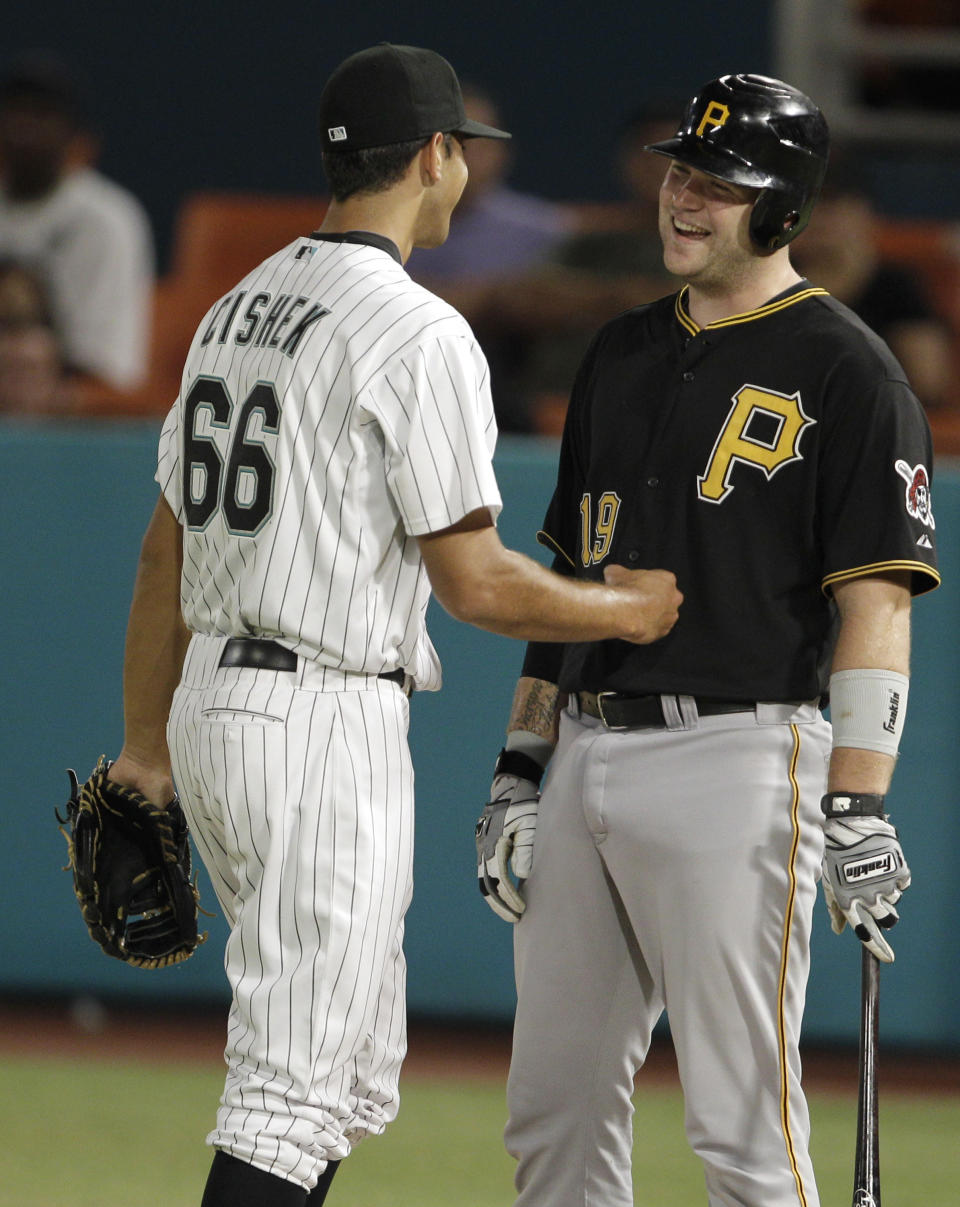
917	494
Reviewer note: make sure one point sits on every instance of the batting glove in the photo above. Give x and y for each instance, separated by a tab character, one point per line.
864	875
505	833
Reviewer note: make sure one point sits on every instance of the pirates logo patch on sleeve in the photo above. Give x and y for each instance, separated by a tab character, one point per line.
917	495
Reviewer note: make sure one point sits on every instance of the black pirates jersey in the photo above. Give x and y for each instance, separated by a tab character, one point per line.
763	459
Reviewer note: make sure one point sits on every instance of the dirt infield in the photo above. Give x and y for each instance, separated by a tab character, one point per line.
86	1028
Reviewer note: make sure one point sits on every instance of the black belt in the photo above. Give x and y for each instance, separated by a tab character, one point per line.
619	711
260	652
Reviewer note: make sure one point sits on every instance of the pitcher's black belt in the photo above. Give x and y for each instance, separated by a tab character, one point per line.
260	652
618	711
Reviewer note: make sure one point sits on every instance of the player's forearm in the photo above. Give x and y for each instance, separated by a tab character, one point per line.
478	581
859	771
156	642
536	709
520	598
874	635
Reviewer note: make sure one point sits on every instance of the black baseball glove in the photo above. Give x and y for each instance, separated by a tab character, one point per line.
131	871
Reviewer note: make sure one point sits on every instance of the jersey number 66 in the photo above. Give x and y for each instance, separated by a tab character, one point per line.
245	491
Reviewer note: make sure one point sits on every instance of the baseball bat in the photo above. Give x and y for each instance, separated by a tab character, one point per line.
866	1180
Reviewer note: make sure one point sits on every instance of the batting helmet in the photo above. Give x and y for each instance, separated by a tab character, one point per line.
759	132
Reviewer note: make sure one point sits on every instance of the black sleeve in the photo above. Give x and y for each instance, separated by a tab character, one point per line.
876	508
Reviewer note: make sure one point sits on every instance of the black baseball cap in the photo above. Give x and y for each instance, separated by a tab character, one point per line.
391	94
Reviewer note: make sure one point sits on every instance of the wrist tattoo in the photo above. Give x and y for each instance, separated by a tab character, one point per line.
537	712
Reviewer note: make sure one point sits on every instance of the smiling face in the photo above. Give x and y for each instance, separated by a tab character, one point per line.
705	228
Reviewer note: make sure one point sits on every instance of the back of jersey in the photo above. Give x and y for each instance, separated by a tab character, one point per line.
300	455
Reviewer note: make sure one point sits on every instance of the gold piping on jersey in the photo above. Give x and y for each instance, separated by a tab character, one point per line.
747	317
544	538
784	952
842	576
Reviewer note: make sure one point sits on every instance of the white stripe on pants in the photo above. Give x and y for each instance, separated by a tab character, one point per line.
300	803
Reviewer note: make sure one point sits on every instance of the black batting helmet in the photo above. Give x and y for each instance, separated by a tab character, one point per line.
762	133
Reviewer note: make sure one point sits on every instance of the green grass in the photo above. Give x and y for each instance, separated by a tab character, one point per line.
91	1134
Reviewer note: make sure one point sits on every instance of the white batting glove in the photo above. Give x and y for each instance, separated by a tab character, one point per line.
505	833
864	876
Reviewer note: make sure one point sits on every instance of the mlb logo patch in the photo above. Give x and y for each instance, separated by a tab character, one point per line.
337	134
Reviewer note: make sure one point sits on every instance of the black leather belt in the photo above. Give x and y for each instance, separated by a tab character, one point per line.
260	652
619	711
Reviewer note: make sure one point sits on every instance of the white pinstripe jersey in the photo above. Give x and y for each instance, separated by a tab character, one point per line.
331	410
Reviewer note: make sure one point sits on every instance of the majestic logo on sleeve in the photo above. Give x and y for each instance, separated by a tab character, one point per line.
762	429
917	499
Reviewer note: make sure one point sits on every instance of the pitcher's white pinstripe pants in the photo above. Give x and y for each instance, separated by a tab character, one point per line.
300	803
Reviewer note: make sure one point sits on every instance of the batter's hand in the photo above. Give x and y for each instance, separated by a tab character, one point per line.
505	841
652	598
864	875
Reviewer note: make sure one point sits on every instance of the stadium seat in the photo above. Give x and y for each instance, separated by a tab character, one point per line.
218	237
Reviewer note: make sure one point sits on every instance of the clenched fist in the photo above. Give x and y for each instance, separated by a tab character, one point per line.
651	602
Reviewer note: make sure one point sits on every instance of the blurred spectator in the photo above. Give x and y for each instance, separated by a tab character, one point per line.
86	238
535	278
31	375
495	230
624	240
838	251
497	235
614	262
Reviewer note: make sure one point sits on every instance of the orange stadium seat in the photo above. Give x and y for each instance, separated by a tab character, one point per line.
218	237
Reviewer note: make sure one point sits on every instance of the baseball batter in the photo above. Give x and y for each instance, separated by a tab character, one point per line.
328	459
754	436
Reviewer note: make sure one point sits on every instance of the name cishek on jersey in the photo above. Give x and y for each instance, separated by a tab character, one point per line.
330	412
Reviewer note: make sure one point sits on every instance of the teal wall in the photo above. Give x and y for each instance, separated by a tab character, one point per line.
78	499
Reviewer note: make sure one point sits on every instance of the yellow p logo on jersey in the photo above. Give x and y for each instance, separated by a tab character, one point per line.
715	115
736	443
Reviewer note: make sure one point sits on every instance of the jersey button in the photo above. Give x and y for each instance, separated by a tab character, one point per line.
633	555
688	376
653	482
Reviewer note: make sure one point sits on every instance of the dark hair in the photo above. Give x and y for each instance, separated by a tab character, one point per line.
371	169
42	80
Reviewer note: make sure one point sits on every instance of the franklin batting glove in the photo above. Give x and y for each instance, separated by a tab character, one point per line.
505	833
864	876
